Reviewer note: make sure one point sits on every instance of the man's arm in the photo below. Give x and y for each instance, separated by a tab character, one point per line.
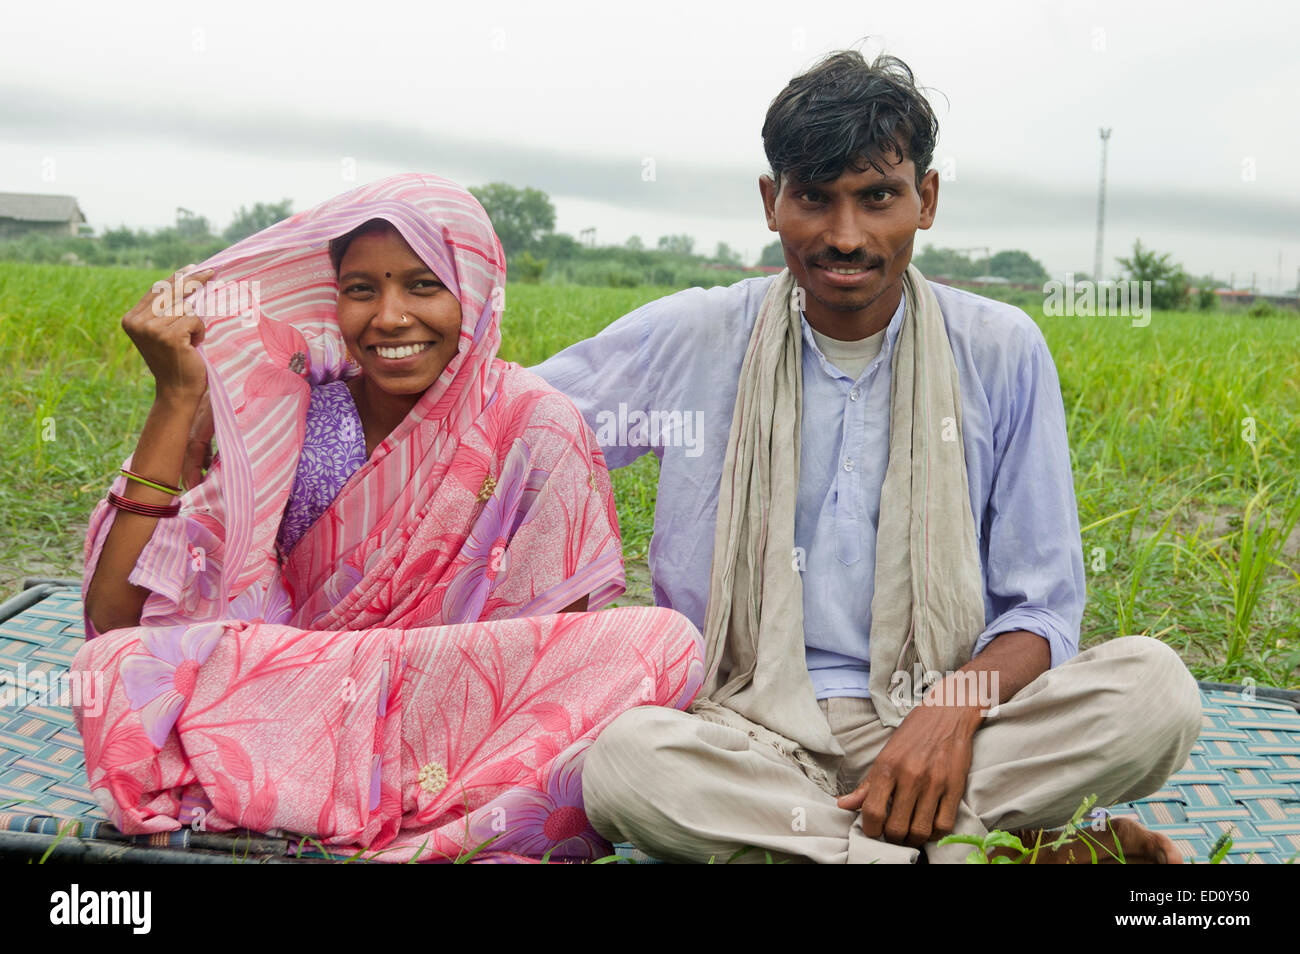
1033	573
1034	587
602	373
1012	661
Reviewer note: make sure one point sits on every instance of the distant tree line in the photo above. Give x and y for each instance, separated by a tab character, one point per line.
524	220
190	239
1013	265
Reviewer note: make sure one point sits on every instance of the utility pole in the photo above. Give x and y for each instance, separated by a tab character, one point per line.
1101	207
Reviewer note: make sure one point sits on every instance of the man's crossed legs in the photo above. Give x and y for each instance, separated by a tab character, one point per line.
1116	721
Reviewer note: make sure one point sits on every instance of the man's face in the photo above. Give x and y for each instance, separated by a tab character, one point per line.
848	242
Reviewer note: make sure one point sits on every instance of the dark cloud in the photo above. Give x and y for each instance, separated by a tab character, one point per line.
28	115
32	116
1249	212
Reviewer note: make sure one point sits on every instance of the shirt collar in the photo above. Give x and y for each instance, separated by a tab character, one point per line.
886	346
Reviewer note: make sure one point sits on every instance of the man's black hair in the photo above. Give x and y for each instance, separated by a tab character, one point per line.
846	113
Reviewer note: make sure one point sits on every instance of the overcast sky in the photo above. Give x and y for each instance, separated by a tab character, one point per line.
140	107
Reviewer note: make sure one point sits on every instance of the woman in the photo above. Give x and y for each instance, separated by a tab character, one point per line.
349	628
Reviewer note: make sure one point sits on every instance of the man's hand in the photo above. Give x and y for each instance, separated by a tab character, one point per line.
912	791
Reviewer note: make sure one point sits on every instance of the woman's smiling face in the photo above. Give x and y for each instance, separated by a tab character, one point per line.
399	322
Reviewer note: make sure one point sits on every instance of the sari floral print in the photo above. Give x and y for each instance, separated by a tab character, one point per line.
399	681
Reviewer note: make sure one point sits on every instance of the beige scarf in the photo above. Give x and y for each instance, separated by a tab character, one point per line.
928	604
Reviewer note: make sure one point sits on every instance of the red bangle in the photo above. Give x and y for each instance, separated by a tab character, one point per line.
143	509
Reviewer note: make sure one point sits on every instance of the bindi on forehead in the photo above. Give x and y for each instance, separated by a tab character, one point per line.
388	274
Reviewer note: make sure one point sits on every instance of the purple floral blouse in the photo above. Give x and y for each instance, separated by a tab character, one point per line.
333	448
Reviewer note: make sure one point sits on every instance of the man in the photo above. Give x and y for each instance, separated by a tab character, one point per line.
875	529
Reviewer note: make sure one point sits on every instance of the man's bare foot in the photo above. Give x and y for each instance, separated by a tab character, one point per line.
1137	846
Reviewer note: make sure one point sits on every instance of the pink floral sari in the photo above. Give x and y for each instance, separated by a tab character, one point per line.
403	680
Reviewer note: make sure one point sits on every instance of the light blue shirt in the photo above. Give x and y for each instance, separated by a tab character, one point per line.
663	379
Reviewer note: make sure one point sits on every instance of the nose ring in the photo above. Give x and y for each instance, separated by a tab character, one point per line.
405	320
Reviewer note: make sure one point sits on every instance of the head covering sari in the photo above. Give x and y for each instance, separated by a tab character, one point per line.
440	524
239	696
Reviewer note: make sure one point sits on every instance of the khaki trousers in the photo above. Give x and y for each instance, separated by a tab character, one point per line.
1116	721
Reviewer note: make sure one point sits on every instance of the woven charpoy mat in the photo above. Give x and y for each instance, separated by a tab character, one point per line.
1242	778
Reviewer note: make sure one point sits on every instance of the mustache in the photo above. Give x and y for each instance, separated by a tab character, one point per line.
832	258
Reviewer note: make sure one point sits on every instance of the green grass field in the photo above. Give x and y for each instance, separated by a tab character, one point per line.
1185	436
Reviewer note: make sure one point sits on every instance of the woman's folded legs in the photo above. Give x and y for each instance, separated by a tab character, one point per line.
431	740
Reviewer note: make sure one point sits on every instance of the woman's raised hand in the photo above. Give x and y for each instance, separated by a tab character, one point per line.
166	337
166	334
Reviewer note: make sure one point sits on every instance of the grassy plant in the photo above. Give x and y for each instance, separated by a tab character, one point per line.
1073	832
1158	419
1245	567
71	828
1219	850
741	852
985	845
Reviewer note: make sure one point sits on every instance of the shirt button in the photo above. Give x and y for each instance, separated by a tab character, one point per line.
853	395
848	464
